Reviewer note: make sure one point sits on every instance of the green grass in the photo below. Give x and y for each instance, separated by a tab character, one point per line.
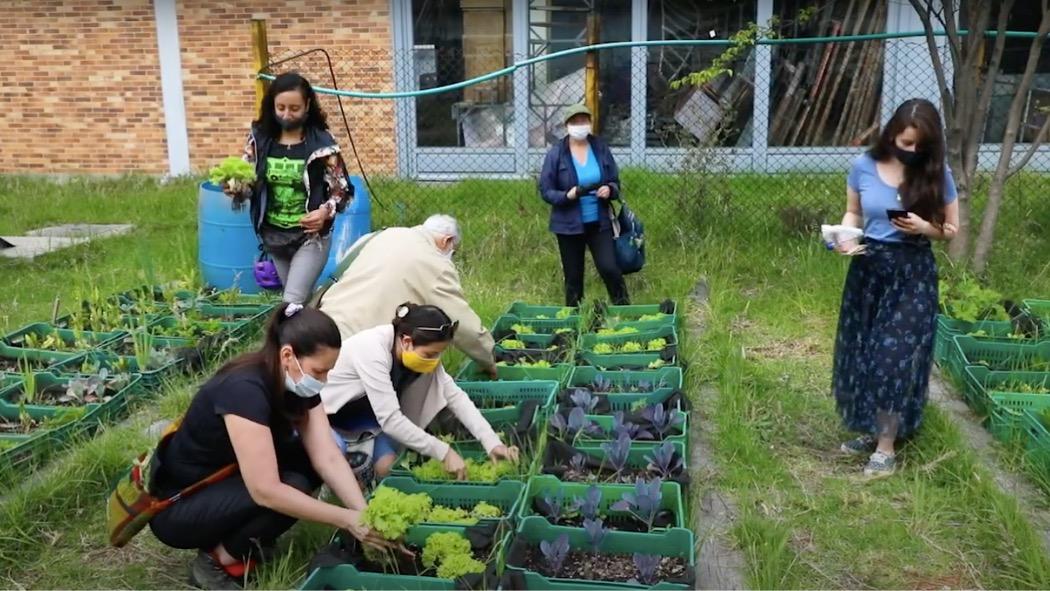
806	520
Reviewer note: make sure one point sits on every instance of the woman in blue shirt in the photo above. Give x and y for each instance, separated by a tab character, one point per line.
884	346
578	179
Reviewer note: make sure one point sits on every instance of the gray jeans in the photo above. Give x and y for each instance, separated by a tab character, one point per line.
300	272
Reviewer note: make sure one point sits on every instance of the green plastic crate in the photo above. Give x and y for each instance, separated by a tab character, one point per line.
91	340
1040	308
1037	443
346	576
150	381
590	339
606	423
471	450
543	391
671	378
998	355
635	457
505	494
41	360
251	317
677	542
21	453
1006	407
502	327
524	310
973	390
472	372
11	410
620	316
611	493
628	402
949	328
625	361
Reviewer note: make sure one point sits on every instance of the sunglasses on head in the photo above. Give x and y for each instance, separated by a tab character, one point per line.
443	330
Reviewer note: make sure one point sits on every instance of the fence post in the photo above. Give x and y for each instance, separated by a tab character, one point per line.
520	107
639	81
260	58
760	107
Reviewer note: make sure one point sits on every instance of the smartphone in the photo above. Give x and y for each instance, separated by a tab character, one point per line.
896	213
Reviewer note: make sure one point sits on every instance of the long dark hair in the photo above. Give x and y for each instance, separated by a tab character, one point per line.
267	120
922	191
307	331
424	324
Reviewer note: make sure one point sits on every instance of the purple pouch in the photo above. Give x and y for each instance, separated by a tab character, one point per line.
266	273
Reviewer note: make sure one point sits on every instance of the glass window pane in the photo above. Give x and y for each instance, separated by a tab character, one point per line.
455	40
718	113
556	25
827	94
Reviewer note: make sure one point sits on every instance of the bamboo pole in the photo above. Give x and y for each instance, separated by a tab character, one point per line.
260	59
591	73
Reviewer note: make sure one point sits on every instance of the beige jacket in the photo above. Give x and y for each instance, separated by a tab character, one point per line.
404	265
363	369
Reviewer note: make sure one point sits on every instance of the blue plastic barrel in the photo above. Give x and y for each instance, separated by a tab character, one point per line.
226	242
353	223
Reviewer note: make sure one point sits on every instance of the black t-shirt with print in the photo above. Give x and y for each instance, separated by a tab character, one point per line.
202	445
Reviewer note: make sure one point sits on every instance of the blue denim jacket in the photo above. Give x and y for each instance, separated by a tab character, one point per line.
559	175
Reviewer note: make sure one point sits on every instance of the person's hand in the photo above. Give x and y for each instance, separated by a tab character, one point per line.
492	372
314	221
571	194
455	465
604	192
366	536
502	452
912	224
847	246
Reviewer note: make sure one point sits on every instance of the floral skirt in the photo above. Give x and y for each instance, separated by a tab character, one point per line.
884	345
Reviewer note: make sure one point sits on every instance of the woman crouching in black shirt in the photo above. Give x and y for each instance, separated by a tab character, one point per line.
262	411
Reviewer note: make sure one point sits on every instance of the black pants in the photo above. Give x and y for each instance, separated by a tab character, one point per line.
600	242
224	513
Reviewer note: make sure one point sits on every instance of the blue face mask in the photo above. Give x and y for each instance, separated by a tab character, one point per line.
307	386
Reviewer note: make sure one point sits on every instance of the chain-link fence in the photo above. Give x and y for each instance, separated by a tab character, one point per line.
766	147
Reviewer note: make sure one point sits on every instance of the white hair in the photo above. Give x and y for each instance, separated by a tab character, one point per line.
444	225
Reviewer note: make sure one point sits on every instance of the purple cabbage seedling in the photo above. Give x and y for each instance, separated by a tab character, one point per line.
555	553
644	503
570	430
663	461
602	384
596	531
578	463
590	504
617	452
628	428
585	399
662	420
558	507
648	567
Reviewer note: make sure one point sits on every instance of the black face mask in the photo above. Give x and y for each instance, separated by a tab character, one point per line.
290	124
908	158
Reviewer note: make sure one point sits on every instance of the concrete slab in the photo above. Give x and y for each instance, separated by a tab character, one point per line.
51	238
82	230
28	247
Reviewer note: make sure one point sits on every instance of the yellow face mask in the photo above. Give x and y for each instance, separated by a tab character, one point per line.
417	363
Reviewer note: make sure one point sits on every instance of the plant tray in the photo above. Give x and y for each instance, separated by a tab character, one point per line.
541	485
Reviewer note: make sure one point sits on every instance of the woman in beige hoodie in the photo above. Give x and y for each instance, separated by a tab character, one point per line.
389	384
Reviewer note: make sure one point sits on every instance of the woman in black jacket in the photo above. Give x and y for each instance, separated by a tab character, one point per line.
578	179
301	183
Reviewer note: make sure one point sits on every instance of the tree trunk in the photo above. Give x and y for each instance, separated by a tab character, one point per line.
997	186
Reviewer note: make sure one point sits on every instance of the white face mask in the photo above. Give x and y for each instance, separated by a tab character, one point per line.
579	132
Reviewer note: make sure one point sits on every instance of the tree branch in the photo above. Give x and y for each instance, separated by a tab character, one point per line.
985	100
931	43
1039	137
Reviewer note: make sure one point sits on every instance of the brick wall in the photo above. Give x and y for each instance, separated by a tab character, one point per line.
80	85
81	80
217	70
